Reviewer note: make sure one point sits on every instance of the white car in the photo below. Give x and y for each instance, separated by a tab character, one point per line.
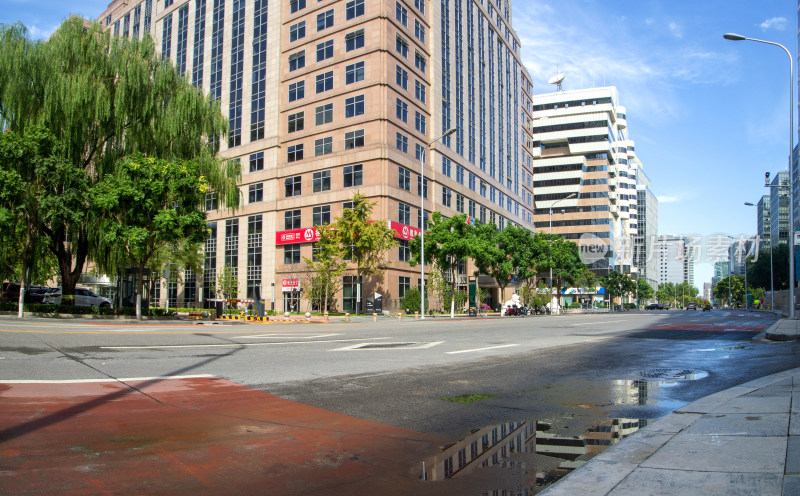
83	298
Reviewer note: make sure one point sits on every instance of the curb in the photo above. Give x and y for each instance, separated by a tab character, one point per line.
779	336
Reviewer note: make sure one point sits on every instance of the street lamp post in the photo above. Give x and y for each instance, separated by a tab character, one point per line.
771	282
422	218
571	195
738	37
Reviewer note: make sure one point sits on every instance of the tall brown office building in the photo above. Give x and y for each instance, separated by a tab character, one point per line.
333	97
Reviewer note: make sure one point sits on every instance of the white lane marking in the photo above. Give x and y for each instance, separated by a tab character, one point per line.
481	349
230	345
277	336
410	346
601	322
87	381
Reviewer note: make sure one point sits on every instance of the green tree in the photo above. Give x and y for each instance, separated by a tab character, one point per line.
148	204
758	272
327	263
567	265
645	291
365	241
27	166
721	290
228	282
665	293
515	257
103	98
617	285
412	300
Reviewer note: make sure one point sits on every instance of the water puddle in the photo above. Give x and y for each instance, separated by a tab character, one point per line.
525	457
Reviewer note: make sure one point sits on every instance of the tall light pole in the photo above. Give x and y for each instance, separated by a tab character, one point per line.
571	195
738	37
422	217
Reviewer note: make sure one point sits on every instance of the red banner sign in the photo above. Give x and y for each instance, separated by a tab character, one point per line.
307	235
403	231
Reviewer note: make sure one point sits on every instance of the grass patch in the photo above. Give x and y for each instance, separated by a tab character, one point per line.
468	398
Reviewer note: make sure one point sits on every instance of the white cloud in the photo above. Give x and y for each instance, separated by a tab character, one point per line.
676	30
777	23
669	199
40	34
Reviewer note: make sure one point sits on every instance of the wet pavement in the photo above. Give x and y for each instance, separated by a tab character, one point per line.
536	415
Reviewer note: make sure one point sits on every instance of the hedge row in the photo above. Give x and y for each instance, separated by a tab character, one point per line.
67	309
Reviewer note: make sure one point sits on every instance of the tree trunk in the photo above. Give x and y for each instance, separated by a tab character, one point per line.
453	294
139	288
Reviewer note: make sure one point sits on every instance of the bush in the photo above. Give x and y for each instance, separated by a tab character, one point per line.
575	304
412	300
72	310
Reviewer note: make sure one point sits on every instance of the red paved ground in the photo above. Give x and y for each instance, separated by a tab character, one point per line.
194	436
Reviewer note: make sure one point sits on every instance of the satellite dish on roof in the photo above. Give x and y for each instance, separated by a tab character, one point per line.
557	80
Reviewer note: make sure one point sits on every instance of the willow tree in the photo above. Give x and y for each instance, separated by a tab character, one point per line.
104	98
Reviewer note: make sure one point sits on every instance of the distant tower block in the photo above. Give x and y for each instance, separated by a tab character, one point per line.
557	80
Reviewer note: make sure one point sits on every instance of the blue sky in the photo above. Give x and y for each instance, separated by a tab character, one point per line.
708	116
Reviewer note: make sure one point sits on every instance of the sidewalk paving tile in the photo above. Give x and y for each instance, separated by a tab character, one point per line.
753	405
794	424
715	453
741	424
594	479
773	390
644	482
672	424
793	456
791	485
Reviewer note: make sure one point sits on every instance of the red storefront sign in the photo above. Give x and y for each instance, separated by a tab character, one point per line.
307	235
403	231
290	285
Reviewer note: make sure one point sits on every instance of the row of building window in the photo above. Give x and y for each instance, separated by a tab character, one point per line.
352	175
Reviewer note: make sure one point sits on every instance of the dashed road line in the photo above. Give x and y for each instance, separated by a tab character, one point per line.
389	346
232	345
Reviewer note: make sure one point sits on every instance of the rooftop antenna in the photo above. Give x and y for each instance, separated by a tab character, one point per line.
557	80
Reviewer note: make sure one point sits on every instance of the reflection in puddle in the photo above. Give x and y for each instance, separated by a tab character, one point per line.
530	455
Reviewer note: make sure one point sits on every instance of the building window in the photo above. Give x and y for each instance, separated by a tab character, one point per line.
401	45
354	40
418	151
255	193
236	75
419	62
403	286
323	146
422	186
296	122
353	175
419	31
291	254
291	219
472	181
297	90
257	162
459	203
402	143
419	91
166	36
324	114
295	153
232	246
296	5
420	123
293	186
321	215
321	181
258	98
446	166
354	106
401	78
404	213
354	8
324	50
297	60
297	31
404	178
354	73
447	193
199	40
211	201
401	110
354	139
254	251
325	20
420	5
168	3
404	250
401	14
459	174
183	38
324	81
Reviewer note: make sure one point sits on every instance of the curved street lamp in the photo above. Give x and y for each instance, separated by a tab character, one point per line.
738	37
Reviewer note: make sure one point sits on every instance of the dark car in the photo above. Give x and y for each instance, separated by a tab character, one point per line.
691	306
33	294
654	306
707	308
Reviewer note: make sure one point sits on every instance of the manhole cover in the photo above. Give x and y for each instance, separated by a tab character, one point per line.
674	374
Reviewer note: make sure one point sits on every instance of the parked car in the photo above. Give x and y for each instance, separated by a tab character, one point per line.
83	298
654	306
691	306
33	294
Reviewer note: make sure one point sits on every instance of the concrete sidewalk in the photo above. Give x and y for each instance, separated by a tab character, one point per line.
745	440
784	330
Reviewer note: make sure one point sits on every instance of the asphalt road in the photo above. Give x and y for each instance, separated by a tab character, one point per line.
572	372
